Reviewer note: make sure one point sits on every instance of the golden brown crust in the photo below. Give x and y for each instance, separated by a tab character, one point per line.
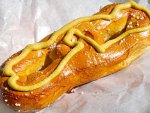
79	71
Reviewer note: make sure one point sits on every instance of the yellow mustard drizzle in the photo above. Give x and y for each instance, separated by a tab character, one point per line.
78	45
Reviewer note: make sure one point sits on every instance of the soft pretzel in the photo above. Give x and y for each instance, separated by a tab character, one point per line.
82	51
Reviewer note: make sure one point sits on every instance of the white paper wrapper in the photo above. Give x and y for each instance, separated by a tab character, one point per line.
28	21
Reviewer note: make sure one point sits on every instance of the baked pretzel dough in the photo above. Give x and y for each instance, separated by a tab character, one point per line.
82	51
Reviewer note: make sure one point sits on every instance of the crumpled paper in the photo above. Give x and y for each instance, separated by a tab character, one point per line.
27	21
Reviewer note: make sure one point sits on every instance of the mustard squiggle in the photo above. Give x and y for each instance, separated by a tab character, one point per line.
78	45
